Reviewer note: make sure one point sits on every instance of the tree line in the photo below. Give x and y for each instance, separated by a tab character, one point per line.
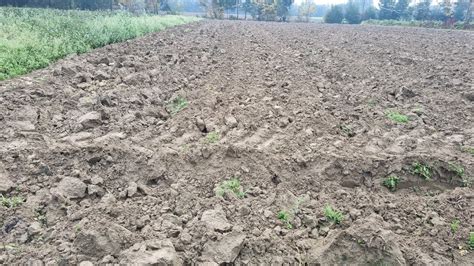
447	11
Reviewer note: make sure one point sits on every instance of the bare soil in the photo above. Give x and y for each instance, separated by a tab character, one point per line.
111	171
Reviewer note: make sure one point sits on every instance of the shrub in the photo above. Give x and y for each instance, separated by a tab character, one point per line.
334	15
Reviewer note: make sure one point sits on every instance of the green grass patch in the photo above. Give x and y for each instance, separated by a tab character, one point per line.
177	105
391	182
231	186
422	170
11	202
333	215
455	226
32	38
212	137
397	117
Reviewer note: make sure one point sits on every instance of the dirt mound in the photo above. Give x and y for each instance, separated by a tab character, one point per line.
224	142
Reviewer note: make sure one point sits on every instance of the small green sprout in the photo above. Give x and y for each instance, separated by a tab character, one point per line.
333	215
212	137
422	170
11	202
284	216
230	186
391	182
397	117
454	226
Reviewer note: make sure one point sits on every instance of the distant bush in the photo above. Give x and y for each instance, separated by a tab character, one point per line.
334	15
32	38
415	23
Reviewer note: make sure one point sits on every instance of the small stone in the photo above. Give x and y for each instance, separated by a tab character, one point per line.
201	125
132	189
86	263
90	120
230	121
95	190
216	220
324	231
97	180
267	213
108	259
226	250
72	188
5	183
101	75
34	228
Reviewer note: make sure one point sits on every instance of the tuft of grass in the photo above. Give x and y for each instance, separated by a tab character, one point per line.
177	104
471	240
32	38
333	215
391	182
467	149
284	216
466	181
11	202
230	186
457	169
422	170
397	117
455	226
347	130
213	137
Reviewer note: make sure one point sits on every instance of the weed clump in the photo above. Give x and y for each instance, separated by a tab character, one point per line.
212	137
177	104
454	226
11	202
230	186
422	170
391	182
333	215
457	169
397	117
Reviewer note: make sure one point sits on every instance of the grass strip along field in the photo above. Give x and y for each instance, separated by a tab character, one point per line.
33	38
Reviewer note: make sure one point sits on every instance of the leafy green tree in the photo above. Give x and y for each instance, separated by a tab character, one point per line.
282	8
401	8
370	13
334	15
352	14
387	9
460	8
422	10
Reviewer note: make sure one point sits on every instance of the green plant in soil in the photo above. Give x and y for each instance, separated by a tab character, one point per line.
471	240
391	182
469	150
230	186
284	216
422	170
333	215
397	117
212	137
11	202
467	181
457	169
455	226
177	104
347	130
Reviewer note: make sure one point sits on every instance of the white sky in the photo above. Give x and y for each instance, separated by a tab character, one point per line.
322	2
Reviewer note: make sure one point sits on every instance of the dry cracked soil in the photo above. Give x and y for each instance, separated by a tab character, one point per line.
222	142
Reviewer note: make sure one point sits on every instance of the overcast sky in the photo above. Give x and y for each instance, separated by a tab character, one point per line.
322	2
